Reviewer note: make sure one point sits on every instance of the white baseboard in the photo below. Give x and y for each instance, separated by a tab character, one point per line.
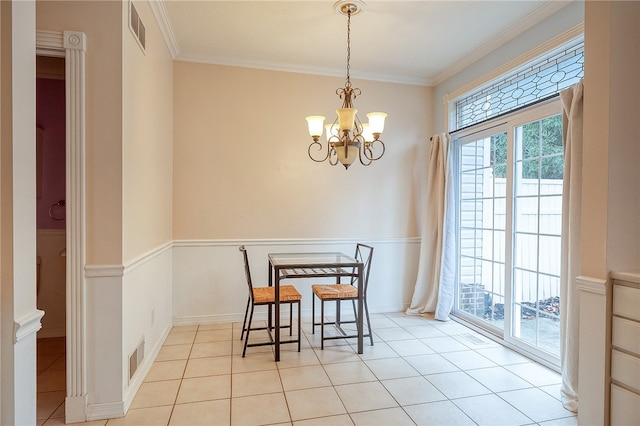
111	410
143	369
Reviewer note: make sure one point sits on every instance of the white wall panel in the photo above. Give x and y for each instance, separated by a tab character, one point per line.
209	283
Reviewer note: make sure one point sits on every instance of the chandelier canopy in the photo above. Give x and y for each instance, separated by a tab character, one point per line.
347	137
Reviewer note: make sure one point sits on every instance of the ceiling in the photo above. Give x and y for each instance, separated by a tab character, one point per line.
413	42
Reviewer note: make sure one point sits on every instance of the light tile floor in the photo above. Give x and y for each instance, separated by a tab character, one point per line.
419	372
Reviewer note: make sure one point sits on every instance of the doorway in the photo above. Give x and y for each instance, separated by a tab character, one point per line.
72	46
51	235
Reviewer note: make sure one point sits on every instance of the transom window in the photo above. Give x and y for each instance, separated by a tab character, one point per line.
539	79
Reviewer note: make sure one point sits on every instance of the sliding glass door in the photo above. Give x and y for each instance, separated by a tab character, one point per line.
509	221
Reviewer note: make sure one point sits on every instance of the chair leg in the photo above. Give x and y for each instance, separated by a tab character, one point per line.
299	326
290	319
313	314
244	321
321	324
337	313
366	311
244	351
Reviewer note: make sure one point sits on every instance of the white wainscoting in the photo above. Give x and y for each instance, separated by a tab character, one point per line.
593	348
209	284
126	305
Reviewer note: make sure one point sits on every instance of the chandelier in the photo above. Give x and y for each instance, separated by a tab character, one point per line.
347	137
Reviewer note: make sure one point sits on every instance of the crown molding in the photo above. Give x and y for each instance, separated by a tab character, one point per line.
535	17
166	28
327	72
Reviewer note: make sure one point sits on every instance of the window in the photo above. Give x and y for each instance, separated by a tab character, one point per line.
509	221
538	79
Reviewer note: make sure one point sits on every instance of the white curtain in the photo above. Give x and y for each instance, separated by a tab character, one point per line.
433	291
572	102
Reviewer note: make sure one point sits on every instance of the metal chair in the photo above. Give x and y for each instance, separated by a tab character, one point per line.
339	292
265	296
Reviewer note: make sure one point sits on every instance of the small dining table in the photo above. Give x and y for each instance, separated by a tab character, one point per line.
313	265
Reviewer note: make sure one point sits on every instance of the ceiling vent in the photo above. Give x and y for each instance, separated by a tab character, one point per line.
137	27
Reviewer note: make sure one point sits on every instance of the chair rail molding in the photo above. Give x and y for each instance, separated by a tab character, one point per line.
27	325
72	45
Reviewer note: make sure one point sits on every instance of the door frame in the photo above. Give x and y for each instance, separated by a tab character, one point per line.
72	46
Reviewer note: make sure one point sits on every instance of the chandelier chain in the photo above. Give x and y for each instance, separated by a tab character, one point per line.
348	82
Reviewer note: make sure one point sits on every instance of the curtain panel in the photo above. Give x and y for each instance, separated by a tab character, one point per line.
434	287
572	106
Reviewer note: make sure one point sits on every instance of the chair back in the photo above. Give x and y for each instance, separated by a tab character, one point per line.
364	253
247	271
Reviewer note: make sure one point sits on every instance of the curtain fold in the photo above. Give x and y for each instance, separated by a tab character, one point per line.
433	290
572	105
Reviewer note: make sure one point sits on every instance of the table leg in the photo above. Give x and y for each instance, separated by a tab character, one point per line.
270	283
277	313
360	310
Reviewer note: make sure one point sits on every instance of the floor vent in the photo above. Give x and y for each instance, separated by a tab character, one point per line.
473	339
137	27
135	359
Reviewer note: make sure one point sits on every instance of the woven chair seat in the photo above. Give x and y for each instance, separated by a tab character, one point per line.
335	291
288	293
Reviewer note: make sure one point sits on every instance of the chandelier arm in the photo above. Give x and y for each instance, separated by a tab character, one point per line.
371	147
362	152
319	149
333	156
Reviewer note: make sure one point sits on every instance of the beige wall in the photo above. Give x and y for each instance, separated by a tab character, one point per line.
102	23
241	168
147	137
611	177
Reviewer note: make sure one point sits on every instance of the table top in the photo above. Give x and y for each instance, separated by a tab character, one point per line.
313	264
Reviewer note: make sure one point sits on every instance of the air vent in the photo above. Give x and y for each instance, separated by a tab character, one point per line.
137	27
135	359
473	339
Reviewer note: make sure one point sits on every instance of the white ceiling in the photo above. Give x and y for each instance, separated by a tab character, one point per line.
417	42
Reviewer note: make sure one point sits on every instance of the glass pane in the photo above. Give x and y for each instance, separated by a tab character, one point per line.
552	135
552	167
525	214
499	155
549	295
499	246
549	255
500	213
494	311
467	184
551	215
530	145
487	244
526	251
468	157
530	171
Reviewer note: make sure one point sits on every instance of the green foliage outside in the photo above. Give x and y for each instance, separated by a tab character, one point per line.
540	150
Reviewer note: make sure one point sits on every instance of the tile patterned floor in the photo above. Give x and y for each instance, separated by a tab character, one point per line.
419	372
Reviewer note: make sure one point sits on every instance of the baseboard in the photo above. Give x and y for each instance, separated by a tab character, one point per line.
74	408
143	369
111	410
211	319
306	314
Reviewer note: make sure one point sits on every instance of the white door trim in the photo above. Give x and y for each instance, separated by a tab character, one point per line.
72	45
